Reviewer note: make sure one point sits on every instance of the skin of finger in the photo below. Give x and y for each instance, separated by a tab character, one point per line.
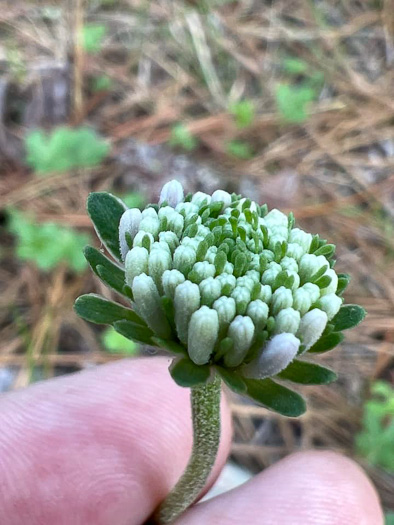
308	488
100	447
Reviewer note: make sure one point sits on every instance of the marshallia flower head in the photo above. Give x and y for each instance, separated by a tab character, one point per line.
228	287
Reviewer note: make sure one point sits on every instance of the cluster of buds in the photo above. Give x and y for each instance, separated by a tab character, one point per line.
227	283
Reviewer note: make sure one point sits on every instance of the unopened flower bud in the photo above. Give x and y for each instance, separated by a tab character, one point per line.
242	297
290	264
138	239
170	280
129	224
287	320
184	259
210	290
136	263
186	302
310	264
330	304
270	273
332	287
172	193
302	238
281	298
176	224
313	291
226	309
241	331
277	354
203	332
202	270
276	218
223	196
258	312
148	305
159	261
302	300
265	293
311	327
201	198
150	225
295	251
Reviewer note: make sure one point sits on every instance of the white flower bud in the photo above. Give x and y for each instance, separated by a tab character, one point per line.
166	211
211	254
210	290
276	218
150	225
186	302
129	223
311	327
222	196
172	192
330	304
287	320
136	263
184	259
332	287
170	239
246	281
270	273
160	245
148	305
241	296
170	280
176	223
310	264
149	212
253	274
265	293
258	312
228	282
253	205
159	261
302	300
203	332
290	264
140	235
241	331
281	298
295	251
201	199
277	354
313	291
202	270
228	268
188	208
226	309
302	238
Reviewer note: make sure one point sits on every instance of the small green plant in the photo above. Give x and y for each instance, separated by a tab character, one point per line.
117	343
240	149
47	245
64	149
376	440
92	37
181	136
243	113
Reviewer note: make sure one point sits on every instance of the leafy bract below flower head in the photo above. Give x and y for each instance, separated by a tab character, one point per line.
226	286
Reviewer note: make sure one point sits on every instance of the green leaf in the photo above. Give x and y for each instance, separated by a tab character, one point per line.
116	343
135	332
327	342
105	210
181	136
349	315
343	281
171	346
108	272
243	113
240	149
187	374
292	101
275	397
92	37
96	309
306	373
233	380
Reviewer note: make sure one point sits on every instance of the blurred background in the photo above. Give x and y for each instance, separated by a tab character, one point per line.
289	102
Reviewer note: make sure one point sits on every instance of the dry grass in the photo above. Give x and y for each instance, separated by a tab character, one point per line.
170	62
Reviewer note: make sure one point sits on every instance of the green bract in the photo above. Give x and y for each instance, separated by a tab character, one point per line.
226	286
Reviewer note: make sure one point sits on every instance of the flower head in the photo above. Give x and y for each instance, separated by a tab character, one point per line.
225	285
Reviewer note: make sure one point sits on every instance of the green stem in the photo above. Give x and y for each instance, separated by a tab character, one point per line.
205	401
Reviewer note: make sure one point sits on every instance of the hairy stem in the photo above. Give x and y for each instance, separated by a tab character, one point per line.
205	401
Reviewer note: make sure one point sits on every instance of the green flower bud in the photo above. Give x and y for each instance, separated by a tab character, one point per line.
287	320
129	224
270	274
265	293
148	305
186	302
202	270
170	239
310	264
221	196
138	239
172	193
302	300
210	290
311	327
277	354
229	268
258	312
295	251
159	261
176	224
290	264
203	333
242	298
332	287
330	304
228	283
302	238
136	263
313	291
211	254
184	259
241	331
170	280
226	309
150	225
281	298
